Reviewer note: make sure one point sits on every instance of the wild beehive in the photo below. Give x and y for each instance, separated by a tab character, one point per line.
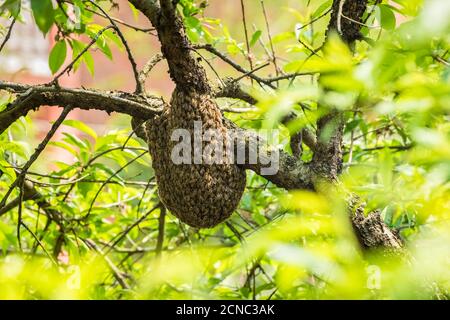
201	195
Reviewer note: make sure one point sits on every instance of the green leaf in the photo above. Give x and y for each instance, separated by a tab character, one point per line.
103	46
387	17
255	37
134	10
19	148
192	22
322	8
114	38
77	47
352	125
89	61
106	169
81	126
75	141
283	37
57	56
43	14
13	6
65	146
233	48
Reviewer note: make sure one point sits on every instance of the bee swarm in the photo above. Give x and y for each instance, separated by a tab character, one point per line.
200	195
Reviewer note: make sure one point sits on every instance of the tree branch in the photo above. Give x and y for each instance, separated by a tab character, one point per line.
371	231
143	74
327	158
114	101
292	173
139	88
149	8
8	34
20	178
232	89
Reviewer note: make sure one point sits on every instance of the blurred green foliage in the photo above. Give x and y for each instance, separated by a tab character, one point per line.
395	92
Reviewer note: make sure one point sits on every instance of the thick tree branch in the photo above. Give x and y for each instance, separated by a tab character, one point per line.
232	89
292	173
372	232
32	97
327	159
149	8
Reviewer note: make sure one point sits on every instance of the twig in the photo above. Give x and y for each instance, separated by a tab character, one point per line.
129	183
441	60
266	81
119	21
235	231
397	148
251	71
40	244
377	2
60	6
350	152
314	19
139	88
161	222
91	160
339	16
148	67
71	64
116	272
272	294
143	194
209	65
268	53
360	23
246	34
274	58
19	213
122	234
291	76
236	66
30	193
312	50
109	179
8	34
128	251
37	152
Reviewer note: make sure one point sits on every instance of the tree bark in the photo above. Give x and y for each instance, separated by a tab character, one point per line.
371	231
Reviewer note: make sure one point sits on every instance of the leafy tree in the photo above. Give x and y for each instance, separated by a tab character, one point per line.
359	207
